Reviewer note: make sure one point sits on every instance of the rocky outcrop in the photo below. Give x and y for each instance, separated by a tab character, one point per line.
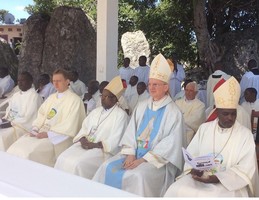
67	40
134	45
8	59
33	45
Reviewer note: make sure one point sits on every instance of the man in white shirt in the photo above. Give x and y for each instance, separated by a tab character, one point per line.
177	77
142	71
46	88
151	154
141	95
92	97
193	111
76	85
131	90
126	71
20	113
59	119
250	79
6	82
99	136
251	103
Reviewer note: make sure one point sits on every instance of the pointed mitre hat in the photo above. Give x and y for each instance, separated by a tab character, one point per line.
228	94
116	87
161	68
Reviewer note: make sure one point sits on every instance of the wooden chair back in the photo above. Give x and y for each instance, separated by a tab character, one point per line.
254	125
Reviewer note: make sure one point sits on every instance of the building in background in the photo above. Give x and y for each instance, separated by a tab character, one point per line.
12	34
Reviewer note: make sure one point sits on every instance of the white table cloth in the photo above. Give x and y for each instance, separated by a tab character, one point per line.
25	178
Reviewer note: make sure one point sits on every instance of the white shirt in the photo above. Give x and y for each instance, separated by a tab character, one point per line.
6	85
47	90
251	106
94	102
126	73
142	72
130	92
176	79
78	87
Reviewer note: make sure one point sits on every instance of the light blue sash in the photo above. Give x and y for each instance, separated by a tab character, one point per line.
143	145
114	170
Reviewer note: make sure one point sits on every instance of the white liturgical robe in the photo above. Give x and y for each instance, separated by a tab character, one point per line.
136	99
176	80
142	72
249	80
126	73
78	87
6	85
106	126
251	106
61	116
164	158
193	114
234	149
21	111
47	90
130	92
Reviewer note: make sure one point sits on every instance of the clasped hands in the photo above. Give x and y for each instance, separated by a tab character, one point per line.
131	162
86	144
198	176
39	135
5	124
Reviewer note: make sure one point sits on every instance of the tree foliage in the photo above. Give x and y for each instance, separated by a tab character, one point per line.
168	28
233	15
41	6
169	24
2	14
221	18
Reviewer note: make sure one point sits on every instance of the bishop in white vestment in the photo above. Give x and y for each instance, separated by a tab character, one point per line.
232	148
103	129
151	145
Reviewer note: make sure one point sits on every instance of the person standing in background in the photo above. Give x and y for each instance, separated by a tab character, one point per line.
177	77
126	71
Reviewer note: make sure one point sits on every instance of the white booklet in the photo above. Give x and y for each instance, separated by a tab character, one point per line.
199	163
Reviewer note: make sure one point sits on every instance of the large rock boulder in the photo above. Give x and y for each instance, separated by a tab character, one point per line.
70	42
134	45
8	59
33	45
67	40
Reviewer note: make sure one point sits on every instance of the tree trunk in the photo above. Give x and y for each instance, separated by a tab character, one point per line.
207	49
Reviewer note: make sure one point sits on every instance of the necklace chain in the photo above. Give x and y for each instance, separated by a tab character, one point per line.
224	144
99	123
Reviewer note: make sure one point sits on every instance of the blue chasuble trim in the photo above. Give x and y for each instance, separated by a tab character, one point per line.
150	124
